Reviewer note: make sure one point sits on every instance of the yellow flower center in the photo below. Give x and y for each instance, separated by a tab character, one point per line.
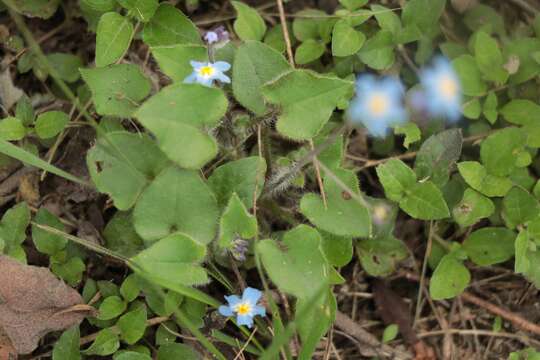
378	104
448	87
243	308
380	212
206	71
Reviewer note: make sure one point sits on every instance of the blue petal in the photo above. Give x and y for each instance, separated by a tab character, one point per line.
192	78
205	82
222	65
197	64
225	310
251	295
222	77
245	320
233	300
259	310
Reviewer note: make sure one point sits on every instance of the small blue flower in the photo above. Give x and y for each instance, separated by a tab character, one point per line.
441	90
378	104
206	72
245	308
211	37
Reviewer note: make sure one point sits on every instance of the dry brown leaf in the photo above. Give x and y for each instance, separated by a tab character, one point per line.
34	302
7	351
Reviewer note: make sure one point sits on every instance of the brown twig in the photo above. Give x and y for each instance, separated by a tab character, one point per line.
494	309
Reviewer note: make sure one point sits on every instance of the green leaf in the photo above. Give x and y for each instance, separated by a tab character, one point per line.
174	60
301	269
67	347
490	245
12	129
143	10
522	250
242	177
411	131
254	65
519	207
379	256
177	200
424	201
50	123
522	48
130	288
315	322
469	76
132	355
387	19
489	58
35	8
308	51
390	333
24	110
70	271
353	4
423	13
174	259
521	112
249	25
169	26
396	177
47	242
111	307
378	51
308	24
117	89
66	66
472	208
490	107
476	176
106	343
176	351
343	215
307	101
236	222
13	227
337	249
498	151
120	235
450	278
345	39
179	115
113	37
123	164
132	325
472	109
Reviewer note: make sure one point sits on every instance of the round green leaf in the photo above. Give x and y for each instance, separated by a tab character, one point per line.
177	200
450	278
50	123
249	25
113	36
169	26
490	245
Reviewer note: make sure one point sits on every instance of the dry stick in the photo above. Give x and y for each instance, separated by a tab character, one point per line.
524	339
288	44
423	274
350	327
505	314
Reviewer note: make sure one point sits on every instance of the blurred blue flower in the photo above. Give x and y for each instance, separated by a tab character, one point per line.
441	90
206	72
245	308
378	104
218	34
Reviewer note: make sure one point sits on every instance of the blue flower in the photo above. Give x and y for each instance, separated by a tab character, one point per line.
378	104
245	308
441	90
211	37
206	72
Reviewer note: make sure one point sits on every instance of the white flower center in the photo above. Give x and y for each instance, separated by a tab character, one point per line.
448	87
378	104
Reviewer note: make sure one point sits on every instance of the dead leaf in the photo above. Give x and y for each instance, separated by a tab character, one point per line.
29	188
7	351
9	93
34	302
